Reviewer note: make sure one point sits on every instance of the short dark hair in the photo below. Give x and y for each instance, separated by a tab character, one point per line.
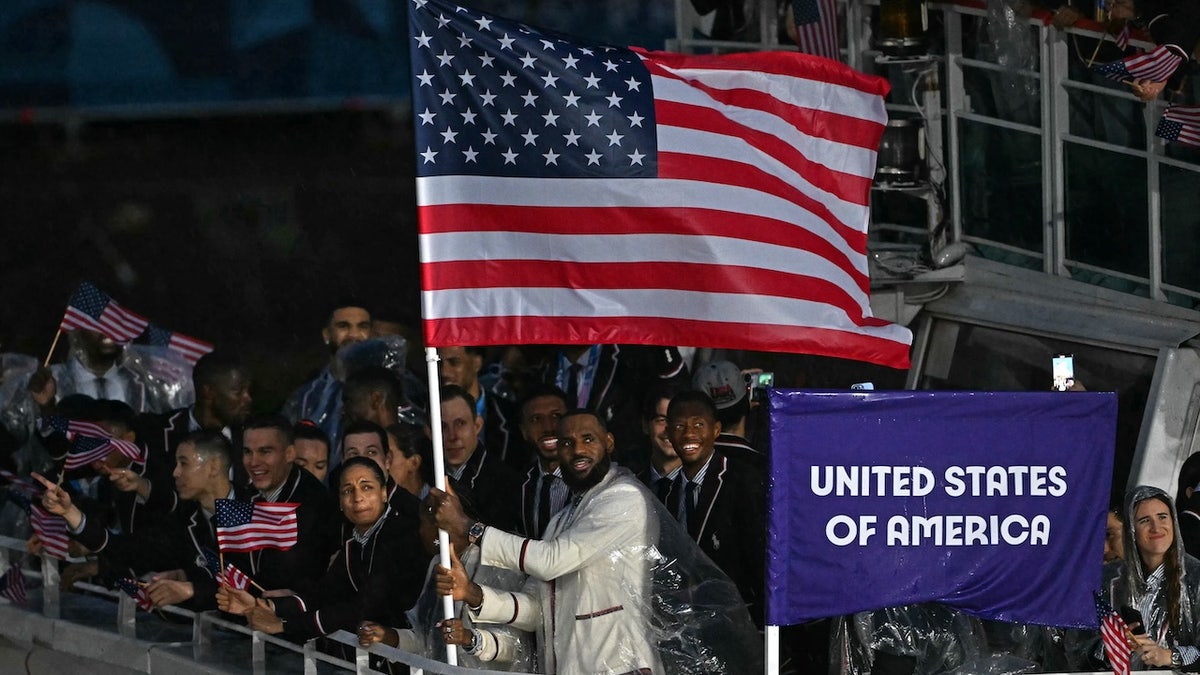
213	366
372	379
655	393
410	439
362	461
693	396
453	391
366	427
271	421
308	430
115	412
211	445
343	303
576	412
540	390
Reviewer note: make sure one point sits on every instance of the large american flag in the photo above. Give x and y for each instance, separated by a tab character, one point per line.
1180	123
92	309
1112	634
816	27
244	526
577	193
190	348
1155	65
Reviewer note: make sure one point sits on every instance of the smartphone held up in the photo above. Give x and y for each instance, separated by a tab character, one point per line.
1062	368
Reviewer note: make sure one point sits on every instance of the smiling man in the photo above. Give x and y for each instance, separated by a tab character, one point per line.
721	503
174	548
588	592
268	454
543	492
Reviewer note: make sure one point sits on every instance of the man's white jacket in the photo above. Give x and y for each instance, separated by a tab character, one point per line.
589	590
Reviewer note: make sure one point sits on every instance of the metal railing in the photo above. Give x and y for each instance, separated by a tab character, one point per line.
1057	233
125	614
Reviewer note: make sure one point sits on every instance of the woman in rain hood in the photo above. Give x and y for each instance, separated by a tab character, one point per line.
1159	580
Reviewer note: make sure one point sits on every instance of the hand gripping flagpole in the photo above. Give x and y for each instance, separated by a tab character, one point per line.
439	479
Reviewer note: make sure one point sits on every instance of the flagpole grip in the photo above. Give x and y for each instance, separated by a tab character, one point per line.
439	478
57	334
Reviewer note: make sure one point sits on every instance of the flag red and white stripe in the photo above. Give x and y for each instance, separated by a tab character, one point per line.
1116	648
52	531
1156	65
12	585
245	526
1180	123
816	28
236	578
750	235
92	309
185	345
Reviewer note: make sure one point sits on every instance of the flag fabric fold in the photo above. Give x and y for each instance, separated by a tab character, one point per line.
190	348
244	526
1112	634
92	309
51	530
135	590
1155	65
236	578
12	585
1180	123
816	27
91	442
574	193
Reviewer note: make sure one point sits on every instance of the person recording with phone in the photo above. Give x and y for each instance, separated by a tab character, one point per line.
1156	586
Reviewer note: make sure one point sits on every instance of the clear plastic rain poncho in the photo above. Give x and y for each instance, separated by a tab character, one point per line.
1127	583
633	591
516	648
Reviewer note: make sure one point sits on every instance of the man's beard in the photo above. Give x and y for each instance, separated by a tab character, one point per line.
593	477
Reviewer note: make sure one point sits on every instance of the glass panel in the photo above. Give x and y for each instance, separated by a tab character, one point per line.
988	359
1106	215
1180	227
1001	177
1098	116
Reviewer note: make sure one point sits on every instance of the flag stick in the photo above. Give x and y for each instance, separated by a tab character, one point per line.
57	334
220	566
439	478
1092	58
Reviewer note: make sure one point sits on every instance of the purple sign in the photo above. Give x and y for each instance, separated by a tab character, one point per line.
991	502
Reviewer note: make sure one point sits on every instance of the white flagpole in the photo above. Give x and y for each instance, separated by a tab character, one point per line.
439	478
772	646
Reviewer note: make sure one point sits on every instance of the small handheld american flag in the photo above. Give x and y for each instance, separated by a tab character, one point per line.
244	527
1113	634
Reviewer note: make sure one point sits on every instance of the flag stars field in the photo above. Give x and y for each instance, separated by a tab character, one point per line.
608	162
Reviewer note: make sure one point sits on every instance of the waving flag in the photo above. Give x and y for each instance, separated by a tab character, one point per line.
51	530
242	526
135	590
189	347
1112	634
236	578
12	585
1155	65
92	309
582	194
85	450
1180	123
816	27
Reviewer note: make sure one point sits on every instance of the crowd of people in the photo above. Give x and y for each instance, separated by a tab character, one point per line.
570	469
605	508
